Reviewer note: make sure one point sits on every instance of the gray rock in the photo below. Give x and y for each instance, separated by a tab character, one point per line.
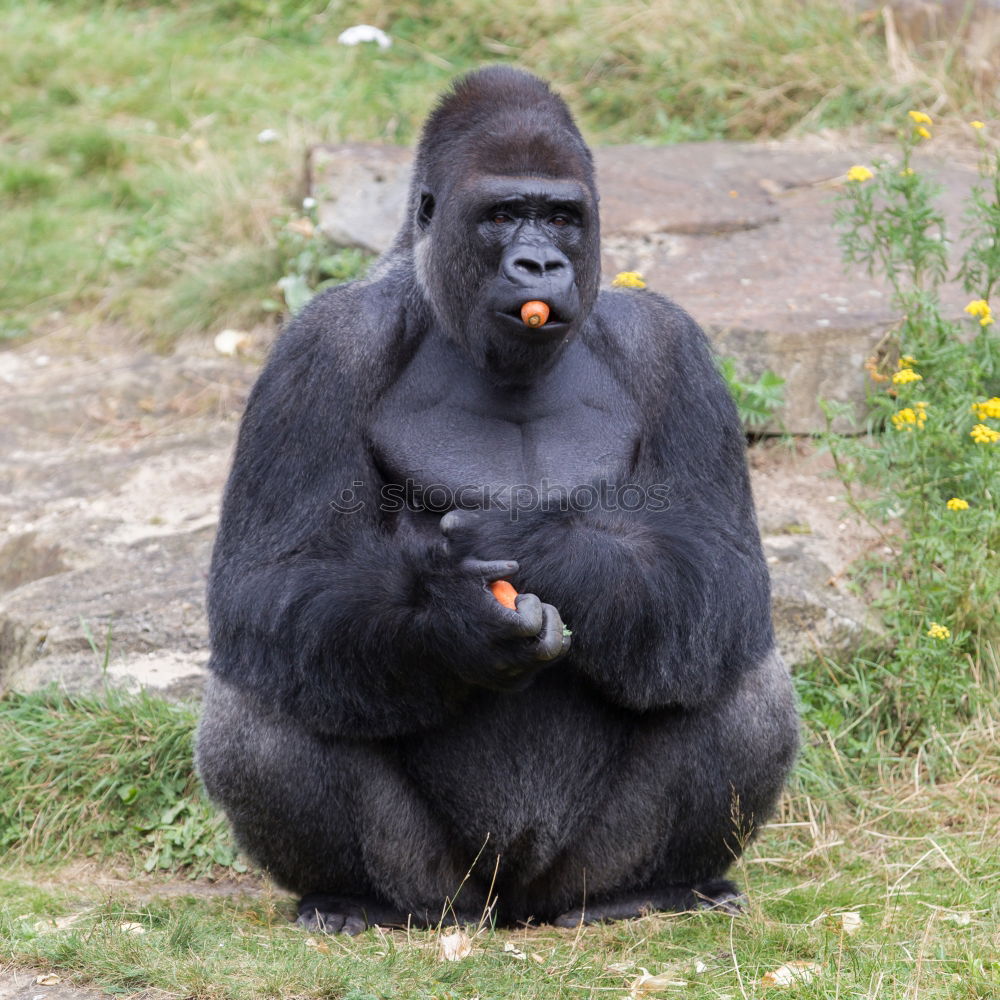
360	191
113	467
35	985
812	616
739	234
111	470
810	539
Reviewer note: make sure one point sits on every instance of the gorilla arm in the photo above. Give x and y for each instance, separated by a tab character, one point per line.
329	615
666	601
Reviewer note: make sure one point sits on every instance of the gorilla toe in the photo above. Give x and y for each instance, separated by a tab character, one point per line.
345	914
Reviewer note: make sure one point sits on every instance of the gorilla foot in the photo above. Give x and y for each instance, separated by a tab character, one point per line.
319	911
715	894
330	914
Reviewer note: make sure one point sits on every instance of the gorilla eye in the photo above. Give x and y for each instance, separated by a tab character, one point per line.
501	218
559	220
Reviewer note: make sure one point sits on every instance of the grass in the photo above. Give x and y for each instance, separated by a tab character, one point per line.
104	777
907	841
133	186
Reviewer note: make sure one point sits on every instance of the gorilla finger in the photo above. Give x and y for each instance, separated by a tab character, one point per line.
488	569
457	520
529	614
551	638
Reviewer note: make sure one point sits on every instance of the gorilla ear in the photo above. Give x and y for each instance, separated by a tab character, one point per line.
426	210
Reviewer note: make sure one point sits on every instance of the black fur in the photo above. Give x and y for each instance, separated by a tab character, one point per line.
387	740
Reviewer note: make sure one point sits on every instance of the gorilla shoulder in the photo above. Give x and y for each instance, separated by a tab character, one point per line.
354	326
640	330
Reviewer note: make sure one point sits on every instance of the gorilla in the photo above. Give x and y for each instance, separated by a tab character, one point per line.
388	740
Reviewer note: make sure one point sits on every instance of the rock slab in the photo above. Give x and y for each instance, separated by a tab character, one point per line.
112	465
740	234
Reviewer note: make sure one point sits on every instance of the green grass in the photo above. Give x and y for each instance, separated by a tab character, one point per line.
927	902
104	777
133	187
907	841
924	933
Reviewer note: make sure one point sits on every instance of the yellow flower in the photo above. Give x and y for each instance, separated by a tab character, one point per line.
905	375
982	434
920	118
922	132
977	124
859	174
980	308
906	172
990	408
628	279
957	503
939	631
908	418
907	361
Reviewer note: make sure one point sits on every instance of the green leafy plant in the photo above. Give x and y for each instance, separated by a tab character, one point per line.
310	261
926	474
757	402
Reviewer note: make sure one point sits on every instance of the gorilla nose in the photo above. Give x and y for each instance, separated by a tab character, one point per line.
528	267
536	267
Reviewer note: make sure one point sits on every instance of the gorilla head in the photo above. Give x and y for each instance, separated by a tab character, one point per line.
503	211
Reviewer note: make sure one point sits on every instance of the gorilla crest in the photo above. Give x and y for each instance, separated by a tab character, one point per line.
390	741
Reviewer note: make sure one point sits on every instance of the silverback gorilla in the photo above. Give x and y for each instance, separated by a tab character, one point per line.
388	740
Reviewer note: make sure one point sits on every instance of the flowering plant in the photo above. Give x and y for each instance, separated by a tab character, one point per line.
926	474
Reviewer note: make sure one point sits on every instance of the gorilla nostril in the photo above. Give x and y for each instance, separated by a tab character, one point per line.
554	265
533	267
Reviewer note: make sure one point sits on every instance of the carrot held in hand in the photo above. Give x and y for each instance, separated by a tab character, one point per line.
504	593
534	313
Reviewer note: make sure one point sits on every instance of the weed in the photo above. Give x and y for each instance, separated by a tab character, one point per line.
930	459
310	262
25	181
757	402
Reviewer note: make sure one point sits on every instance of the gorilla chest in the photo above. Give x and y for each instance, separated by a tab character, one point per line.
445	428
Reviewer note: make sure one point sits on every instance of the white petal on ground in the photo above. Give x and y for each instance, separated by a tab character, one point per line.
647	983
791	974
454	945
364	33
231	342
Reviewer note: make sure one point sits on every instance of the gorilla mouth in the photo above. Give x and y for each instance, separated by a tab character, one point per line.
557	321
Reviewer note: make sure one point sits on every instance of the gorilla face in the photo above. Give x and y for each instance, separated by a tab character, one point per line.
504	213
531	232
507	241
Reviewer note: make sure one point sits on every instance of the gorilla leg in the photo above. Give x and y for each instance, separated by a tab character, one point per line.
696	788
335	821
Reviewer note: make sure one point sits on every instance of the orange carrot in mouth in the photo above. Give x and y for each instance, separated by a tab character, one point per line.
534	313
504	593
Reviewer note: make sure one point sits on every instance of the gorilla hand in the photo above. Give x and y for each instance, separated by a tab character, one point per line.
516	643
